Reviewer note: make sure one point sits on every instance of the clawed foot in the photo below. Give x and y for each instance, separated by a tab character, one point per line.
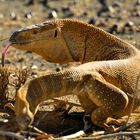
111	121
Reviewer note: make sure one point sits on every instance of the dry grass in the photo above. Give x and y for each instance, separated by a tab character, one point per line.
10	81
4	82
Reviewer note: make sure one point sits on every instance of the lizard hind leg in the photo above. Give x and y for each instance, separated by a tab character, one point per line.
109	99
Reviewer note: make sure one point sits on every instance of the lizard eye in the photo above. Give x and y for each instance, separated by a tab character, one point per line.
55	34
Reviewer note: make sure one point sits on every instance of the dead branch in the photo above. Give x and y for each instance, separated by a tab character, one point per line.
12	135
72	136
124	127
112	135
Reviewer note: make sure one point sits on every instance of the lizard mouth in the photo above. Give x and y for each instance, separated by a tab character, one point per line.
25	41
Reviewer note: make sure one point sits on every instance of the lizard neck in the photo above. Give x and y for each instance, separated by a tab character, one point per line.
88	43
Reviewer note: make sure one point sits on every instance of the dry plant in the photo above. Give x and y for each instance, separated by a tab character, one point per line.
4	81
10	81
19	78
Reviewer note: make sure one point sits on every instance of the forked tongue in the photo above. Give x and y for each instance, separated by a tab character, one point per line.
4	53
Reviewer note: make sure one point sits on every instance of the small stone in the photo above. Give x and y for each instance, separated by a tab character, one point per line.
128	27
65	8
45	3
24	67
35	76
129	24
1	16
20	60
52	14
34	67
13	16
67	12
135	13
30	2
113	29
85	13
116	4
28	15
92	21
138	2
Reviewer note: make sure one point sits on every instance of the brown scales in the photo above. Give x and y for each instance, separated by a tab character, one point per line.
105	83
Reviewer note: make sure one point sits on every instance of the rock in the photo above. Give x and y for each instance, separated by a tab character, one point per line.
65	8
128	27
129	24
24	67
1	16
113	29
28	15
30	2
135	13
20	60
13	16
105	8
116	4
138	2
52	14
67	12
92	21
34	67
45	3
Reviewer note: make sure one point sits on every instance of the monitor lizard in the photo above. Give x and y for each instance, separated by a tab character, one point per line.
105	82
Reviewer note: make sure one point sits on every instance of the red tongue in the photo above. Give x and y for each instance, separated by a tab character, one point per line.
4	53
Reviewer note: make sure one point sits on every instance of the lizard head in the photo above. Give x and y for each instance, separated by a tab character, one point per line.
44	39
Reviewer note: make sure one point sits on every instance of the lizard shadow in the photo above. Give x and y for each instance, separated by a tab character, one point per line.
59	123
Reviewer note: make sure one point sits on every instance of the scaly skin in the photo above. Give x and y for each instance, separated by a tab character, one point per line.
105	84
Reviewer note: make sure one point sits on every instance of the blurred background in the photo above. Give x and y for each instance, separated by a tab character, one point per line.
121	17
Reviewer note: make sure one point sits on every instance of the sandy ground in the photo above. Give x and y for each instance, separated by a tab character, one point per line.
15	14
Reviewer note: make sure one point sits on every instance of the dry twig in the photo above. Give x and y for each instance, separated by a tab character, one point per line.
4	82
112	135
12	135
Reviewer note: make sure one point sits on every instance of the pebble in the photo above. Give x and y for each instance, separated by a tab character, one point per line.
116	4
92	21
28	15
1	16
129	24
34	67
128	27
113	29
24	67
20	60
52	14
135	13
65	8
67	12
138	2
13	16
